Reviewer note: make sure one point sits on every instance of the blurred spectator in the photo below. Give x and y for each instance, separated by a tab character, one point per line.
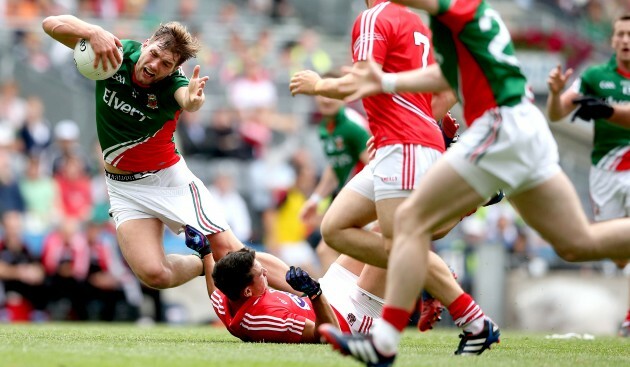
505	227
192	135
11	198
308	55
35	135
67	145
74	187
234	207
286	234
226	138
22	296
596	23
99	194
28	48
12	105
66	259
281	9
109	277
41	197
252	92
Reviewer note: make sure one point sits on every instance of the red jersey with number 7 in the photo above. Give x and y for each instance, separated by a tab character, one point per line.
398	40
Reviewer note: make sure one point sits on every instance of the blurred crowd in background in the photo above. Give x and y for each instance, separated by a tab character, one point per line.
254	145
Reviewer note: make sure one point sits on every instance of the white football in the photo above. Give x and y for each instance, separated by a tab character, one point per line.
84	60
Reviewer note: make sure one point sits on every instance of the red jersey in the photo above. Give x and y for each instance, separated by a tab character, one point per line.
274	317
399	41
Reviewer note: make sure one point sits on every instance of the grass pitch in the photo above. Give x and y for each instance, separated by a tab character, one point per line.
100	345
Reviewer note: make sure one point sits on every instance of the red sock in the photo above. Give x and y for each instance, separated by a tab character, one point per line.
397	317
464	310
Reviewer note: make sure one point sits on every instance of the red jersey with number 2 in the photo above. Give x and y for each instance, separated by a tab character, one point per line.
397	39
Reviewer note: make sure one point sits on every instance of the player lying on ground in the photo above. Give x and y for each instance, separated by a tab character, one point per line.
253	312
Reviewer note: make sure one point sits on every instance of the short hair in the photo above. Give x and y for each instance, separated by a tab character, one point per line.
174	37
233	272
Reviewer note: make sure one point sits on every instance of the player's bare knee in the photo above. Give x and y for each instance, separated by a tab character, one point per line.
330	233
155	277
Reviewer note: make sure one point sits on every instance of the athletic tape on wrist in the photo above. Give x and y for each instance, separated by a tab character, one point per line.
315	198
388	82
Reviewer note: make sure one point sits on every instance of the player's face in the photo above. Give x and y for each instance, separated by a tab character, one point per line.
259	284
154	64
621	40
328	107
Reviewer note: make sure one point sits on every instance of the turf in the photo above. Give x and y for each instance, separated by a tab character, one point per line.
96	345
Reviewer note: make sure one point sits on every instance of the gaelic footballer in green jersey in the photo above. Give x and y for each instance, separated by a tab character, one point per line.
149	184
603	85
343	142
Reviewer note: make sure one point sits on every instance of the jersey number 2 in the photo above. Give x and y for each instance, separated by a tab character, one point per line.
501	40
422	40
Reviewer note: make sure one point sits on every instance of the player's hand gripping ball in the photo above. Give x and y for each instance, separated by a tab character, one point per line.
84	60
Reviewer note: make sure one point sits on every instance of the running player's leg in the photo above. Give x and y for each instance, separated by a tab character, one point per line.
430	206
140	241
554	210
342	228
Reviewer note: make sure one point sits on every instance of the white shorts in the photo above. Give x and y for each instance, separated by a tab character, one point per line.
509	148
358	307
394	172
173	195
610	193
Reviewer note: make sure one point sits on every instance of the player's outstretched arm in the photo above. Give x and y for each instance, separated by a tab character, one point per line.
310	83
68	29
370	79
191	98
325	187
559	104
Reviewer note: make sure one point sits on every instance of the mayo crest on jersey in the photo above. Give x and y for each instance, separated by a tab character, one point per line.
136	123
397	39
611	143
470	35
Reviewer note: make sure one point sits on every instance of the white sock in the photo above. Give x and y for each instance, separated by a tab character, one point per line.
386	337
475	326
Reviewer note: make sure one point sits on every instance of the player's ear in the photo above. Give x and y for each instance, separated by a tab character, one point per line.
247	292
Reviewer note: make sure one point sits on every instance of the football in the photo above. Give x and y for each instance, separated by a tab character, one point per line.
84	60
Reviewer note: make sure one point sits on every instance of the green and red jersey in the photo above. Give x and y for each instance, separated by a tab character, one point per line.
476	55
343	141
611	143
136	123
